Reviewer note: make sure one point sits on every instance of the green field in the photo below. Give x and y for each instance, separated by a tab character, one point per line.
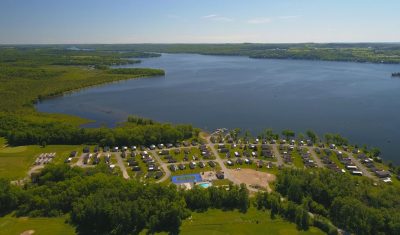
231	222
210	222
10	225
16	161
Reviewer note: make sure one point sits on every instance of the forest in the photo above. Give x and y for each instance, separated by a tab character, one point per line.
354	52
99	202
356	205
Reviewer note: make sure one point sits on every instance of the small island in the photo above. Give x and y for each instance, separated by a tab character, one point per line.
396	74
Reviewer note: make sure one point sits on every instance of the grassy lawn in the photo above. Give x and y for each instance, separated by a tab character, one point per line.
222	182
16	161
297	160
232	222
196	170
253	166
14	226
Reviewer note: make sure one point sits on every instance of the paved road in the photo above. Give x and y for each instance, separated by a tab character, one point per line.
315	157
277	154
164	166
121	165
360	166
80	160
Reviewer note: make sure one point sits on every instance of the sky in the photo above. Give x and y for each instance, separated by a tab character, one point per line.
198	21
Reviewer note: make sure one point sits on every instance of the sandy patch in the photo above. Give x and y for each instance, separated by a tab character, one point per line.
28	232
253	178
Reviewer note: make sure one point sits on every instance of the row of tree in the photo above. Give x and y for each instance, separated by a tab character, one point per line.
136	131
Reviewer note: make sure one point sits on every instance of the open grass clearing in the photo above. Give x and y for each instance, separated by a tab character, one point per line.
10	225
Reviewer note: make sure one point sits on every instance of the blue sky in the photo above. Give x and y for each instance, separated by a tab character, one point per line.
198	21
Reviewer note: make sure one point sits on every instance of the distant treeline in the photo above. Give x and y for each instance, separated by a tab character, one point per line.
138	71
355	52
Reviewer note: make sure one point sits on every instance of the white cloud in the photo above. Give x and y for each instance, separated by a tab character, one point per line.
217	18
262	20
209	16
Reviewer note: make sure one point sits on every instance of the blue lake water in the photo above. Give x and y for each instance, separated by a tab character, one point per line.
359	101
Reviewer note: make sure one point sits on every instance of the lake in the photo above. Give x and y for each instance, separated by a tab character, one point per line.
360	101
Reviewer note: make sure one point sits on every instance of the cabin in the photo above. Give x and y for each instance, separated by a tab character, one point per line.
382	174
212	163
152	147
178	145
194	143
132	162
158	175
177	151
253	147
260	164
229	163
192	165
185	143
359	173
265	147
133	148
151	167
223	150
173	168
268	153
172	160
221	146
160	146
68	160
351	167
73	154
186	151
163	152
107	158
239	161
135	168
169	145
202	165
220	175
253	154
123	154
237	154
181	167
86	149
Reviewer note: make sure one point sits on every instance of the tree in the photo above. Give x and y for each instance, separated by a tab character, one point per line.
312	135
375	152
288	133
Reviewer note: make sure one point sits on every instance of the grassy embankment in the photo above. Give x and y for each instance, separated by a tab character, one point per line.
211	222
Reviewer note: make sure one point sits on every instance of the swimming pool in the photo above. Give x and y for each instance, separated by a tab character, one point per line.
205	185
